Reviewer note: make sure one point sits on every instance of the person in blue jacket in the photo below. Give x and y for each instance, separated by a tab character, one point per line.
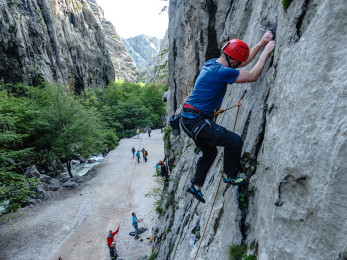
135	221
207	96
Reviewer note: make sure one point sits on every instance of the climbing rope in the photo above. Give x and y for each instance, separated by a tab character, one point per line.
220	111
126	199
215	196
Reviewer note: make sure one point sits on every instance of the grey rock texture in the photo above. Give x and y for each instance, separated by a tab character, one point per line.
124	66
293	125
144	50
158	71
67	41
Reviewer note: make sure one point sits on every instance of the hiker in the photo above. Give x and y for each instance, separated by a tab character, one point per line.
110	239
207	96
135	221
138	133
138	156
164	173
145	153
133	151
149	132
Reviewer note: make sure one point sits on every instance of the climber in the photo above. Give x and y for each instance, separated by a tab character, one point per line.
207	96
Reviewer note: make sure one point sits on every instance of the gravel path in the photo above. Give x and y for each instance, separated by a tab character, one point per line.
74	223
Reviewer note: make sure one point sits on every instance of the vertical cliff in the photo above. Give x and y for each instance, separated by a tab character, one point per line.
55	40
293	125
158	70
124	66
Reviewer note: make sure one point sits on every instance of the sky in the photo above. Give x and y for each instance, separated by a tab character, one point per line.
135	17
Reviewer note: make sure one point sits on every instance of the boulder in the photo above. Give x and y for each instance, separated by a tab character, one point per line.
32	171
70	185
54	184
78	179
45	178
42	193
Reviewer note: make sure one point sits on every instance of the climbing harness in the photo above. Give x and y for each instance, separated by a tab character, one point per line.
215	196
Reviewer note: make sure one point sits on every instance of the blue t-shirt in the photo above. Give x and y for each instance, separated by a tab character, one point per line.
210	87
134	220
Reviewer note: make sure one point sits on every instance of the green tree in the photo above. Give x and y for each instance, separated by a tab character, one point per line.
16	128
69	129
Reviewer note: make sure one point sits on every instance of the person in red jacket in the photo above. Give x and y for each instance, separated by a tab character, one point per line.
110	239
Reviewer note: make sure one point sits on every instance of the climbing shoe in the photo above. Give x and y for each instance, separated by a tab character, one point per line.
196	193
238	181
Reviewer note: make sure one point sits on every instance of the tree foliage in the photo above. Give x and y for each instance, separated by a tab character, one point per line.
49	122
126	106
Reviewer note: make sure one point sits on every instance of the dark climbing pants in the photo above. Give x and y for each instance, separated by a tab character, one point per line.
209	137
111	251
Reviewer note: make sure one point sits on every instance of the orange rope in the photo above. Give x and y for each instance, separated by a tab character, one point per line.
220	111
215	196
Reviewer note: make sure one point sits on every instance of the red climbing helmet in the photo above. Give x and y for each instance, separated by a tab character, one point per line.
237	50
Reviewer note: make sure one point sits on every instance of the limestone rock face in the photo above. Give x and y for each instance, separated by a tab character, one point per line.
158	71
144	50
59	40
293	125
124	66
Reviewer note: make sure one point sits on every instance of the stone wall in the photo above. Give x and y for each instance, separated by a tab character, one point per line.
293	125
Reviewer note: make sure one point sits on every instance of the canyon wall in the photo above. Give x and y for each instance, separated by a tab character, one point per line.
293	125
54	40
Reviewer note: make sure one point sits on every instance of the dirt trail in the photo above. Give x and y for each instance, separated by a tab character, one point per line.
74	224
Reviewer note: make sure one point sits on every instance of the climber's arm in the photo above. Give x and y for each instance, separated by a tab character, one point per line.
253	75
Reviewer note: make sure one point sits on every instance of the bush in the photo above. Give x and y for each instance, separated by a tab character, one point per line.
166	137
239	252
159	210
19	193
153	256
286	3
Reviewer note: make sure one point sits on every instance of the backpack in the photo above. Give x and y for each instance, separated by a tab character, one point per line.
174	122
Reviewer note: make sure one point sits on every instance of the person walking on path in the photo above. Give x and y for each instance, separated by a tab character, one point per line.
133	151
149	132
145	153
138	156
110	239
207	96
138	133
135	221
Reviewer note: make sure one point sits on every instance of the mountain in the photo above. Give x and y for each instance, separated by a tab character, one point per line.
143	49
124	66
62	41
158	70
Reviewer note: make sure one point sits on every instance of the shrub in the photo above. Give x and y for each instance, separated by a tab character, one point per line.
166	137
239	252
286	3
153	256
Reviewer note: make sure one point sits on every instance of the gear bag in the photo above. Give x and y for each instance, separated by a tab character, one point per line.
174	122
